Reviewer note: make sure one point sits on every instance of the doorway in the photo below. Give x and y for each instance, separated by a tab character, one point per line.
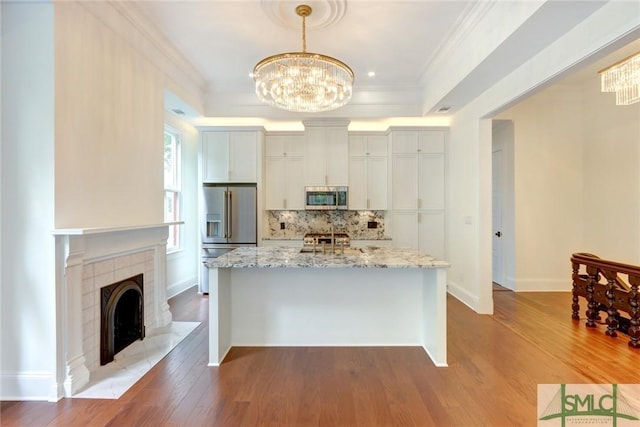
502	213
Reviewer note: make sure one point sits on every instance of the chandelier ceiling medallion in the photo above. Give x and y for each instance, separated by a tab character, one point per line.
623	78
303	81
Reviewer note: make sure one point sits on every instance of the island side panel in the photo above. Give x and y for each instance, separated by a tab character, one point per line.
219	314
327	307
435	314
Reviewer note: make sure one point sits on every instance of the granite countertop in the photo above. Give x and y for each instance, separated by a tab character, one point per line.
280	257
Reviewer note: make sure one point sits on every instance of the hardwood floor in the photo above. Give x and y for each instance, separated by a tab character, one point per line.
495	364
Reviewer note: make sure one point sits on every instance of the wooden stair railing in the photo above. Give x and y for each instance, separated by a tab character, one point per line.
612	295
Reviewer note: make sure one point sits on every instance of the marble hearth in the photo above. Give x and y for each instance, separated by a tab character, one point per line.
91	258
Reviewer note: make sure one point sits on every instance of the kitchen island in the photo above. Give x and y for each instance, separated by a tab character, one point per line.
280	296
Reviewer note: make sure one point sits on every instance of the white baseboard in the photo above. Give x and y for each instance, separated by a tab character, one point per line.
28	386
463	295
177	288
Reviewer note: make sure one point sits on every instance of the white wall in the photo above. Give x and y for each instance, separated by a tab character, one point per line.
611	177
470	144
27	308
182	266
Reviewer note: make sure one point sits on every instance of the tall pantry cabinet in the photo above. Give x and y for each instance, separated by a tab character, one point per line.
419	190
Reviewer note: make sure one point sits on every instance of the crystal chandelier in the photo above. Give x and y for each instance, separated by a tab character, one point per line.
303	81
623	78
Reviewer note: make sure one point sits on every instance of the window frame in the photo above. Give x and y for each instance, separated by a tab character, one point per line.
175	238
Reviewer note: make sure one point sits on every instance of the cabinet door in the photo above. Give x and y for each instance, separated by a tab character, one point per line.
315	168
294	145
377	183
215	156
405	141
274	145
377	145
337	156
405	181
275	183
405	229
431	229
358	145
358	183
294	183
243	157
432	182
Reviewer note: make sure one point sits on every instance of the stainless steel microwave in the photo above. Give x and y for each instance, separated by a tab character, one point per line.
326	198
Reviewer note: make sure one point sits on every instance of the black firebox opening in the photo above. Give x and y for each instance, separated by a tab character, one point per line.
122	318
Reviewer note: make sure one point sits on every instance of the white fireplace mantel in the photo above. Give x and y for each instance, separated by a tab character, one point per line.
86	260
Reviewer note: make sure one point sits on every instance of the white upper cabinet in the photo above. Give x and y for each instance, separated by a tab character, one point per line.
284	172
418	170
368	175
326	153
230	156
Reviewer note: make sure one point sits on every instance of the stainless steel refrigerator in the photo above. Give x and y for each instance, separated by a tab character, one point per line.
228	221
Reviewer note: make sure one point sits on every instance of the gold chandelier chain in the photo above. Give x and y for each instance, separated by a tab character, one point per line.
304	33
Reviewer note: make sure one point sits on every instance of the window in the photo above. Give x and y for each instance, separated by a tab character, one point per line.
172	187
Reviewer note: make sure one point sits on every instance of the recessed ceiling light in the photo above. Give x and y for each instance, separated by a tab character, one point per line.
371	74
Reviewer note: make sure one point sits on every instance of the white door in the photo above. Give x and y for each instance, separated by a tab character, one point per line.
497	195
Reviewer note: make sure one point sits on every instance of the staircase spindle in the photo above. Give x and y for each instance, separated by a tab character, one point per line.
592	312
575	304
612	312
634	329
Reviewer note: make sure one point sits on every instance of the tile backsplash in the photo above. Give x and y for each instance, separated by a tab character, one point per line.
354	223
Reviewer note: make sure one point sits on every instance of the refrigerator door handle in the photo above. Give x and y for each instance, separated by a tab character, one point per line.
225	218
230	214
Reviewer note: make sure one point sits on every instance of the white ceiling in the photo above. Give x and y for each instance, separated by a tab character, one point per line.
401	41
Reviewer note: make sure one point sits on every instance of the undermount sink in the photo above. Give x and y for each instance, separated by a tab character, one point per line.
339	251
